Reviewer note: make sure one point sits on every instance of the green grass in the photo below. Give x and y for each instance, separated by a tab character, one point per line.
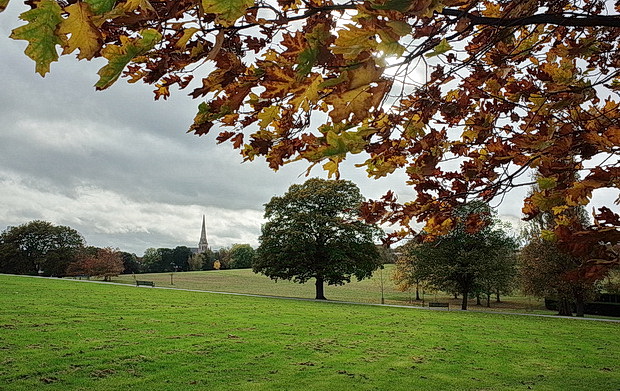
66	335
365	291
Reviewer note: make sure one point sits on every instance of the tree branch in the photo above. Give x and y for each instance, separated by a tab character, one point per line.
556	19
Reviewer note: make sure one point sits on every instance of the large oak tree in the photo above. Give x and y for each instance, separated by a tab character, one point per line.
466	96
315	231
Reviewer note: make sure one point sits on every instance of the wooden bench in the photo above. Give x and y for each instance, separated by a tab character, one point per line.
442	305
145	283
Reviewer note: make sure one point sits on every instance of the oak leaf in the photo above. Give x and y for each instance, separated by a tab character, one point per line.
119	56
101	6
83	34
40	34
228	11
354	40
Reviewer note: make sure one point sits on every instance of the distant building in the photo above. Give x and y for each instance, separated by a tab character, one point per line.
203	244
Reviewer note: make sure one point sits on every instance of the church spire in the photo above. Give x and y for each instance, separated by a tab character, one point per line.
203	245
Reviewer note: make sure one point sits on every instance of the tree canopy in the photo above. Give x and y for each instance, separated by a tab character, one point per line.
466	96
314	231
464	261
39	247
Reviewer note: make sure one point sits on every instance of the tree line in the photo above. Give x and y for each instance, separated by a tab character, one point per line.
42	248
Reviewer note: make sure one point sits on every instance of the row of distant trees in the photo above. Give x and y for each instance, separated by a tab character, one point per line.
489	262
181	258
41	248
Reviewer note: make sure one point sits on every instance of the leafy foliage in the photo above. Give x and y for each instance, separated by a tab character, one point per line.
549	271
463	261
98	262
314	231
39	247
242	256
499	87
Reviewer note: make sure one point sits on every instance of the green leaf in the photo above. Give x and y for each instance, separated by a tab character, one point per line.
396	5
547	183
306	60
399	27
101	6
119	56
548	236
441	48
227	11
40	34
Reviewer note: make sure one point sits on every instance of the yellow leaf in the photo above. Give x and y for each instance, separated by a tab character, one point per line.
133	5
268	115
364	75
332	168
3	4
559	209
357	102
354	40
548	236
83	34
308	95
187	35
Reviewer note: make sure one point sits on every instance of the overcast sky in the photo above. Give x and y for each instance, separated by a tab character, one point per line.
121	169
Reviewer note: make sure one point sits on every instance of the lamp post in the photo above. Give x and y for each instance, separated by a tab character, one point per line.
174	267
381	277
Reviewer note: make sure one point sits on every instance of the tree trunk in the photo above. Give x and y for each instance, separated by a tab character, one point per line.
456	295
489	300
579	304
464	301
320	294
497	296
478	299
417	291
564	307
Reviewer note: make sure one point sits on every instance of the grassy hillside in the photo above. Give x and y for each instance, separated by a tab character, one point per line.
365	291
65	335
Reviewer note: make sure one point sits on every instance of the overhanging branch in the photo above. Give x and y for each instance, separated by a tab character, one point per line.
555	19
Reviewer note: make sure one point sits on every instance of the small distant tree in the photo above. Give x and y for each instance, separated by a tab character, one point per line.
99	263
549	270
151	260
180	257
466	260
196	262
314	231
130	263
222	258
405	276
242	256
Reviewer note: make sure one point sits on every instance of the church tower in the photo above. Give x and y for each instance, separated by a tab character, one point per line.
203	245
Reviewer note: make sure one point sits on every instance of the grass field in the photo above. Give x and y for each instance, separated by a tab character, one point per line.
365	291
67	335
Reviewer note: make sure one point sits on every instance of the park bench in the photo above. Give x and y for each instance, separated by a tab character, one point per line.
443	305
145	283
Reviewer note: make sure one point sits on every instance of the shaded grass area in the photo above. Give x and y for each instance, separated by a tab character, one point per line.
365	291
65	335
